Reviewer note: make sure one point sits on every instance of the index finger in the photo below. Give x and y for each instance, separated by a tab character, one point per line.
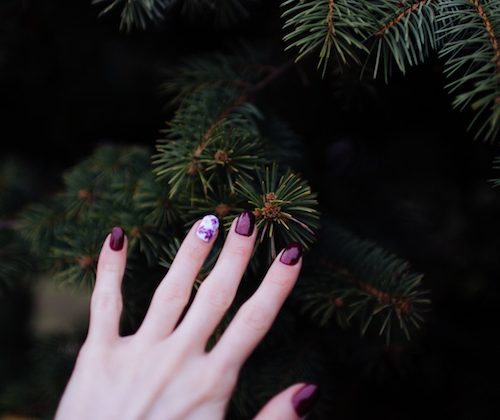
257	314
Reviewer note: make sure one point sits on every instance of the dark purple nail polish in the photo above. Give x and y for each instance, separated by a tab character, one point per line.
305	398
292	253
245	223
117	238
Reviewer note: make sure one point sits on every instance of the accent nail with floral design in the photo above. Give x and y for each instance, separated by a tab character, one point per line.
207	228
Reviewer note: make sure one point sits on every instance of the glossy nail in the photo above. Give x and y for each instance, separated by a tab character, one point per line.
117	238
291	254
245	223
207	228
304	399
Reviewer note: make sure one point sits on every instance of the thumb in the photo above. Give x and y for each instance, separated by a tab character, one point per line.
291	404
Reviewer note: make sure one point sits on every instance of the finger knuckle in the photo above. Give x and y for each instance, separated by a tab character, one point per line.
257	317
217	297
106	302
239	250
174	294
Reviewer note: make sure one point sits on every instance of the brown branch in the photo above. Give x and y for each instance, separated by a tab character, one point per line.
401	303
245	96
329	18
381	32
490	30
225	112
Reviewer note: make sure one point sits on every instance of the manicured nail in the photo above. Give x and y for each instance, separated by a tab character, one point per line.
292	253
245	223
117	238
207	227
305	398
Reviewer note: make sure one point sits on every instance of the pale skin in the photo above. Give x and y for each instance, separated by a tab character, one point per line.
163	371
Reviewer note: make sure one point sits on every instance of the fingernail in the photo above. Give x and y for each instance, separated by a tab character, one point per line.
292	253
207	227
117	238
304	399
245	223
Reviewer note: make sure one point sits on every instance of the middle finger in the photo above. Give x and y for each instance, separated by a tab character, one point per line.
217	291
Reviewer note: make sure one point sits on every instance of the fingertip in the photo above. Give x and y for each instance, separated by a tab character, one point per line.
117	238
244	224
291	255
207	228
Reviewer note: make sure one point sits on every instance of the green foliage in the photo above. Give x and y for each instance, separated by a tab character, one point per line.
284	207
106	190
472	52
213	135
238	69
356	282
333	26
399	34
405	33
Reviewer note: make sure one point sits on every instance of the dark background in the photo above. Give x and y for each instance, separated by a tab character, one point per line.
394	163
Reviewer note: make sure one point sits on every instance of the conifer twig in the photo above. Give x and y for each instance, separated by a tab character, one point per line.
402	303
414	7
490	30
245	96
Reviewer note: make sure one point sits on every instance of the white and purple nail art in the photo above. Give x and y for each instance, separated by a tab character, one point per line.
207	227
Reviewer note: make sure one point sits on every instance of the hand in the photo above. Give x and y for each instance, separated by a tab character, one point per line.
163	372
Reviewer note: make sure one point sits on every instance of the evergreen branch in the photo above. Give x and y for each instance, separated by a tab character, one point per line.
240	100
471	49
396	20
356	280
100	192
488	25
328	26
284	207
404	34
238	69
213	132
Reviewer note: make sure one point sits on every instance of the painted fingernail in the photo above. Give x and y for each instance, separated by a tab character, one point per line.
117	238
291	254
245	223
304	399
207	228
